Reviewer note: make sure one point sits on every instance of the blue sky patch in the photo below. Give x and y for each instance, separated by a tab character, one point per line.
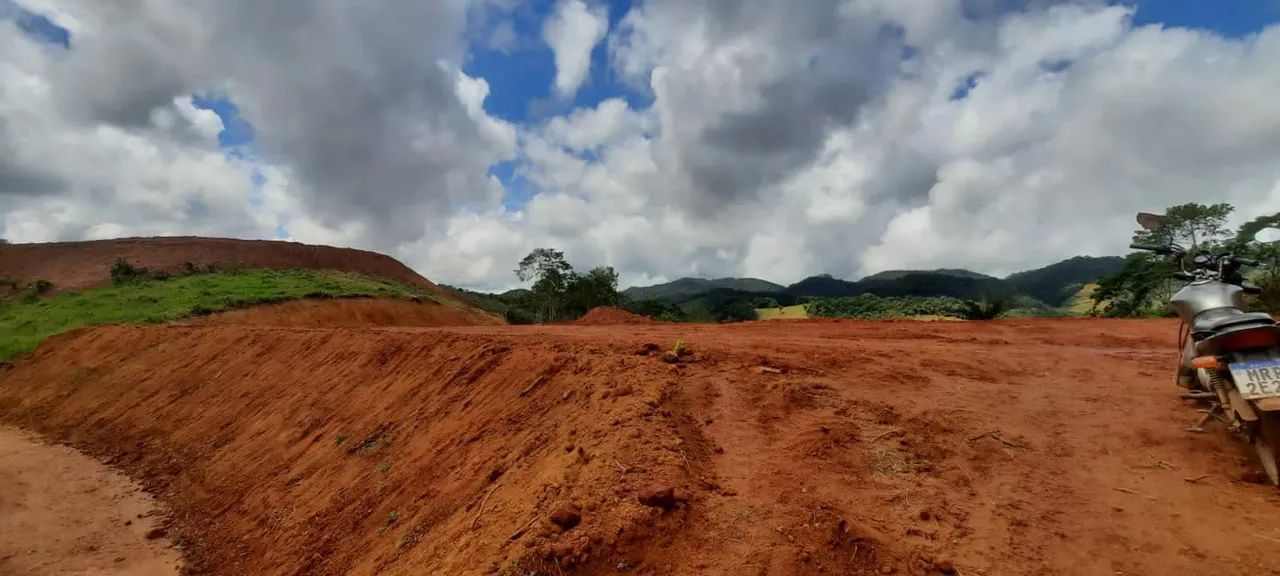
237	133
966	86
37	26
1231	18
520	80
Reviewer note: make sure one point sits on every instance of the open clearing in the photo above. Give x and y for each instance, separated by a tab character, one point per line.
807	447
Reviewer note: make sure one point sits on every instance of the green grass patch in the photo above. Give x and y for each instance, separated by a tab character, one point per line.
1081	303
24	324
796	312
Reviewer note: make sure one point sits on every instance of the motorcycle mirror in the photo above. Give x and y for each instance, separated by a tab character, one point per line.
1268	236
1150	221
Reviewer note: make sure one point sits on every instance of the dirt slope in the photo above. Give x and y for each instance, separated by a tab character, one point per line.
605	315
62	512
1028	447
351	313
80	265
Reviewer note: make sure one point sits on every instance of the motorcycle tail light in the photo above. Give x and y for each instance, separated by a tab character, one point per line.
1249	339
1206	362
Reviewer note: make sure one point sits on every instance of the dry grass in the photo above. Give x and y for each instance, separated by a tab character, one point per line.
796	312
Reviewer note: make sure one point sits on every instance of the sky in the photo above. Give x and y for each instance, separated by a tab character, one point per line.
665	138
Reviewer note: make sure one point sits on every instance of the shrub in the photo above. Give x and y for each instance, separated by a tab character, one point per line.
870	307
988	308
122	272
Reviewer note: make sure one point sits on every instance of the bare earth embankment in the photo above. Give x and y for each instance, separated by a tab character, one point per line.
808	447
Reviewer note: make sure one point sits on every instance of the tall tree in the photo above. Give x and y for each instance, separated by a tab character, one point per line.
599	287
1267	275
559	293
551	275
1145	282
1190	224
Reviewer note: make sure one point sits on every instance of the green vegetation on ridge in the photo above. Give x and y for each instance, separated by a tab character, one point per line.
27	322
694	286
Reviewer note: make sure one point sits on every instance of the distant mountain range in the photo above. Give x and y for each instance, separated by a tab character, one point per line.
1051	285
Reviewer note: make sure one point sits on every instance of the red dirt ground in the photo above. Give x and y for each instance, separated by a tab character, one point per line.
1012	447
352	313
62	513
606	315
81	265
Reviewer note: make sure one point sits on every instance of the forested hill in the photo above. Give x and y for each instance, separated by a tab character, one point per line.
685	287
1051	284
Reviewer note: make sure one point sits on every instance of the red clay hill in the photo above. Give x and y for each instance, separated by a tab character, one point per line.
80	265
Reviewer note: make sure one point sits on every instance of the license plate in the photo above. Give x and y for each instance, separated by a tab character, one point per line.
1257	378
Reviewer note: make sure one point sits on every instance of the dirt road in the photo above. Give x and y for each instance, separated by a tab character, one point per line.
62	512
1021	447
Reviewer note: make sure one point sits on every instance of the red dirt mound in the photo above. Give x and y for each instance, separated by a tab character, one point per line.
80	265
605	315
1028	447
352	312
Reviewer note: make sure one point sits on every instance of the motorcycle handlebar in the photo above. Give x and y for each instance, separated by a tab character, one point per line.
1244	261
1184	276
1158	249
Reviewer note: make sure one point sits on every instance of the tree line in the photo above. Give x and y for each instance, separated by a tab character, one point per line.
558	292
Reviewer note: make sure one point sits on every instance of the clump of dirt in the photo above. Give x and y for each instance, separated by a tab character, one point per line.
607	315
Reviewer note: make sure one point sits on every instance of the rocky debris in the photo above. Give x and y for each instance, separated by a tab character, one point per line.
1254	477
664	498
155	533
670	357
647	348
566	515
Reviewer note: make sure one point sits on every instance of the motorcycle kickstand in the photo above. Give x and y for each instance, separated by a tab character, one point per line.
1210	414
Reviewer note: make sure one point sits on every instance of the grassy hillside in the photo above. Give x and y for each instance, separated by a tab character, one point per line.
685	287
26	323
1081	302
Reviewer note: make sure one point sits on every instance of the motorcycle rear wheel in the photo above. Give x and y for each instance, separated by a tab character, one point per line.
1266	441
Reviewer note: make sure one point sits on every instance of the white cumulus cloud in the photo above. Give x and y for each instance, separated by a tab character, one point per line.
572	31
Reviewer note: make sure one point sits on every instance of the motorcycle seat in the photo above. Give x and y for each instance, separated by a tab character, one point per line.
1219	319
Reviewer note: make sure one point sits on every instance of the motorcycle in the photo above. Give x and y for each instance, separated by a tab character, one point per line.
1230	357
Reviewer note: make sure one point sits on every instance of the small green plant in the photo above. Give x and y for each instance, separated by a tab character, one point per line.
392	517
340	439
384	467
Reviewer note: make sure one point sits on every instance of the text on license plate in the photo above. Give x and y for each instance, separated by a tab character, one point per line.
1257	378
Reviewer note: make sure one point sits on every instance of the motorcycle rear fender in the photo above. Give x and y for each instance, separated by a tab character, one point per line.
1222	342
1242	407
1267	404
